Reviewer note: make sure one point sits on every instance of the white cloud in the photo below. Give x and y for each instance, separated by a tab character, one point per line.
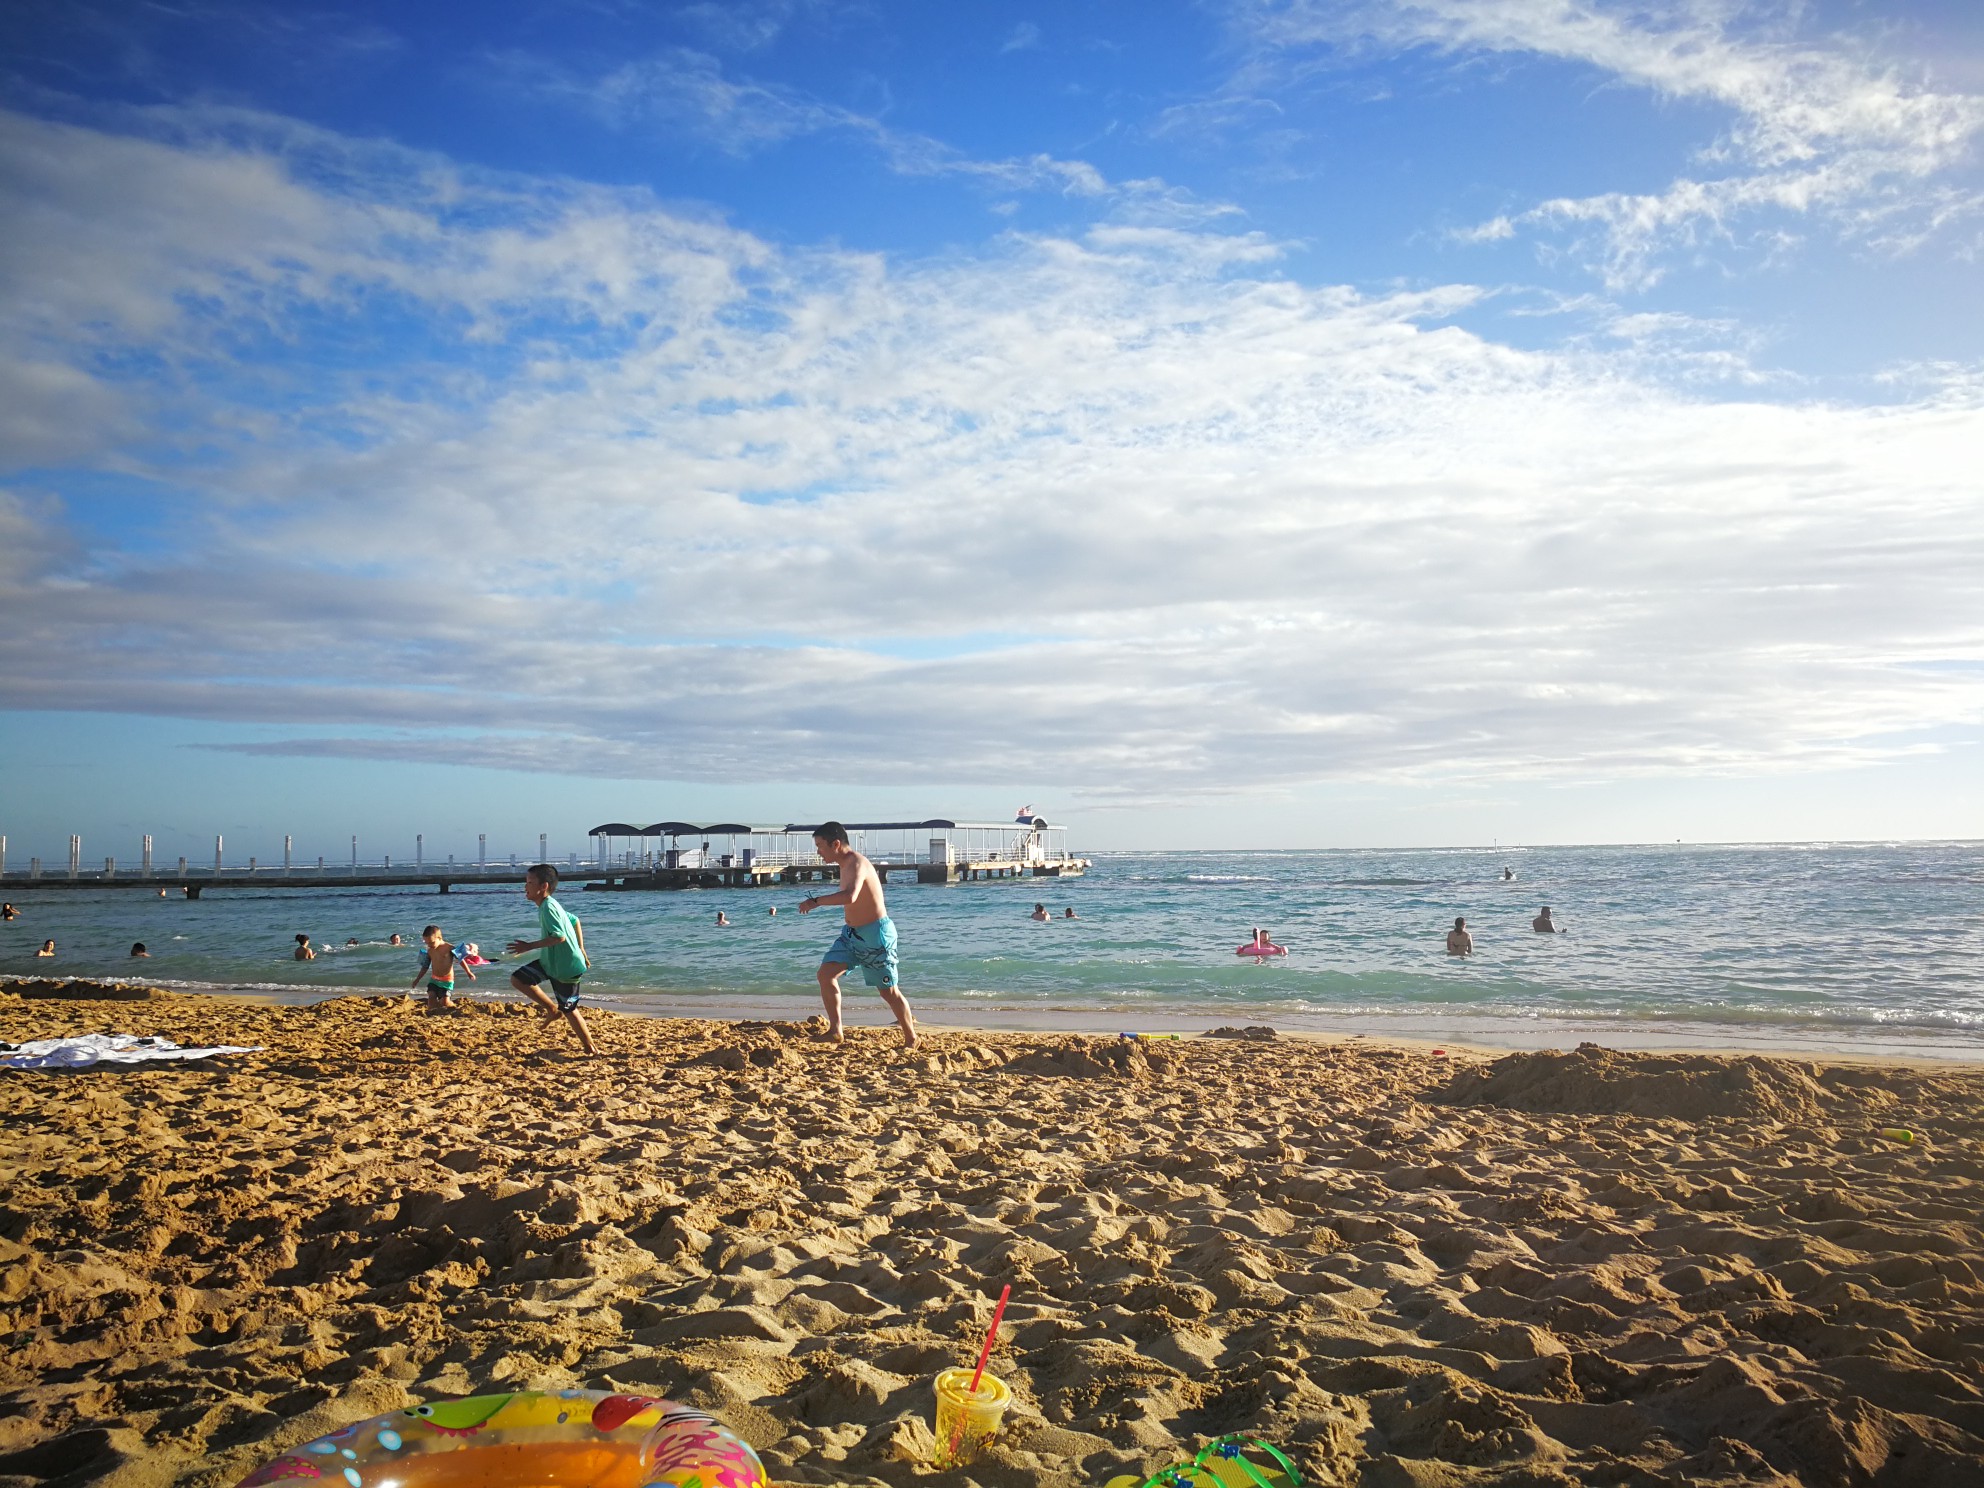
524	472
1817	129
1024	37
690	95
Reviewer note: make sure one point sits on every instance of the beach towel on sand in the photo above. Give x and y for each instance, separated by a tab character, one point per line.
103	1048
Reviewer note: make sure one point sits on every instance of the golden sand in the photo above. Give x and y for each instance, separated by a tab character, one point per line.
1401	1267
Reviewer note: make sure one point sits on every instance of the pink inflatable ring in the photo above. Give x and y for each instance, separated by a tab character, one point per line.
531	1439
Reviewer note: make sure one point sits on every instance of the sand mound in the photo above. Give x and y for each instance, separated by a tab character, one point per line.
80	990
1089	1058
1594	1081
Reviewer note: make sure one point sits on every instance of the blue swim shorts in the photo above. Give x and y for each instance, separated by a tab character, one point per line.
869	949
565	994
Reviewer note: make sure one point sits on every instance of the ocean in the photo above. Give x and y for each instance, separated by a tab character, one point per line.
1827	947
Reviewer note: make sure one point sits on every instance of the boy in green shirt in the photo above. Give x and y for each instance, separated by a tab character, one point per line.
563	960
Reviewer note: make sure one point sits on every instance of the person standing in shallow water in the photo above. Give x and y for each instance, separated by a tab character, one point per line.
867	937
1544	925
1459	942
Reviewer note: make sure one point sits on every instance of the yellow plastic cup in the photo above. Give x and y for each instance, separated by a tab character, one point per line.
966	1423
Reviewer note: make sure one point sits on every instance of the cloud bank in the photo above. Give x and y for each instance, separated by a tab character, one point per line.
1817	131
439	465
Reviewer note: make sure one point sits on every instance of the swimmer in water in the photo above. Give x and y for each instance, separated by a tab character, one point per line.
138	951
1544	925
722	919
1069	913
303	950
1507	874
47	949
1039	912
1459	942
8	912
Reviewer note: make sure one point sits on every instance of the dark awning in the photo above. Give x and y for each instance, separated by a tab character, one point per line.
615	829
671	829
726	829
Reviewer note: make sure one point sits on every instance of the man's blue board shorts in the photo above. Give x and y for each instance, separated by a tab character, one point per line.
869	949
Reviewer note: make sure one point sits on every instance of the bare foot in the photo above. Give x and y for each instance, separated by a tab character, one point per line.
831	1036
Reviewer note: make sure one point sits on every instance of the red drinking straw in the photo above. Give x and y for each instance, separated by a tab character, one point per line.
991	1334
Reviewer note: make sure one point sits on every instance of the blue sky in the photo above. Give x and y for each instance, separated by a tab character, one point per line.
1225	424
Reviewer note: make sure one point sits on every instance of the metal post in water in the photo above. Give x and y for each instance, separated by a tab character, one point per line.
354	853
481	852
217	848
182	867
543	848
34	867
251	867
110	867
320	862
148	855
419	851
287	842
3	855
75	854
387	860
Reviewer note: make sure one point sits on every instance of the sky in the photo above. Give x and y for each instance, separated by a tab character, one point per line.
1247	423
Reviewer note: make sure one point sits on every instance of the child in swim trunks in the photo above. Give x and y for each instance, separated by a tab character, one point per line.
561	960
439	965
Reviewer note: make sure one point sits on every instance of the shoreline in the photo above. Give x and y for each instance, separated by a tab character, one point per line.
1844	1043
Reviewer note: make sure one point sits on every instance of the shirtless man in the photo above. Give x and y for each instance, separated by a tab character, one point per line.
1459	942
867	938
1544	925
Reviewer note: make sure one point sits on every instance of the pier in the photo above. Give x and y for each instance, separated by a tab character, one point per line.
624	857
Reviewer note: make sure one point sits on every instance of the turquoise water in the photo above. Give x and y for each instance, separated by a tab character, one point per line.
1812	945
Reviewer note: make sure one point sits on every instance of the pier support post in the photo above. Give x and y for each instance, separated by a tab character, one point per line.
419	851
287	843
219	841
444	886
147	871
75	854
192	891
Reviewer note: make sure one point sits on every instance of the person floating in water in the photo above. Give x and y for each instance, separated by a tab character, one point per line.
867	938
722	919
438	965
1459	942
303	950
1069	913
562	944
1544	925
1039	912
394	939
138	951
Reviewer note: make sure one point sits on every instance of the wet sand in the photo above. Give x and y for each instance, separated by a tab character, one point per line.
1404	1267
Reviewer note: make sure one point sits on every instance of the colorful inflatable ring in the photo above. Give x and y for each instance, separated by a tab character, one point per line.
529	1438
1270	949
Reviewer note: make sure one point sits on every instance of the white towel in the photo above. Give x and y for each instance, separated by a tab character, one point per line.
103	1048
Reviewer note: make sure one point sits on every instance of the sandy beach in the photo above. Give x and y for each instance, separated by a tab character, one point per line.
1405	1267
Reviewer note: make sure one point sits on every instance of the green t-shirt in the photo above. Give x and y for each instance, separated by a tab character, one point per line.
561	959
